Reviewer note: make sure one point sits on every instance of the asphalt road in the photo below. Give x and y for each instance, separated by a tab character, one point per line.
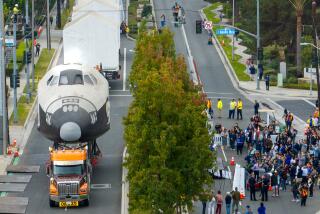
109	168
300	108
218	85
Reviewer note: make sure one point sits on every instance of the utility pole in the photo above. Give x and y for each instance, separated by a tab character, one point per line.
27	12
233	26
32	45
258	42
315	41
4	110
26	53
48	26
15	73
58	24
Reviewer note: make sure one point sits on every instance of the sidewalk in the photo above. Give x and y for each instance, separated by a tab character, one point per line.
21	133
250	86
274	91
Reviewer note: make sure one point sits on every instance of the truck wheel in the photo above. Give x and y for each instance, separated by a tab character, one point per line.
86	202
52	203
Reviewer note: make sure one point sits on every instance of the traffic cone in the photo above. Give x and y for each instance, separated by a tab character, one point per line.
14	142
232	161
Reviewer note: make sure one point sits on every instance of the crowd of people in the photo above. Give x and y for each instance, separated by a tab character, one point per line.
276	160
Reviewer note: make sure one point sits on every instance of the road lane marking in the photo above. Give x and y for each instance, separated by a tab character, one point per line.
227	98
224	154
124	68
100	186
282	108
121	95
206	92
311	103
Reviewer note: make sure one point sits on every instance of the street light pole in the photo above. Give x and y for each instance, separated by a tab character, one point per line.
32	45
48	27
233	34
15	73
3	86
315	41
258	42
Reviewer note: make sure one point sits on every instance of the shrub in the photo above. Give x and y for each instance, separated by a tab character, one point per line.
292	80
147	10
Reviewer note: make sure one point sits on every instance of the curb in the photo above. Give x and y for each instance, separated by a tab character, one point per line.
125	186
231	73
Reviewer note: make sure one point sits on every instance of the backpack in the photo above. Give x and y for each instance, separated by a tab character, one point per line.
304	193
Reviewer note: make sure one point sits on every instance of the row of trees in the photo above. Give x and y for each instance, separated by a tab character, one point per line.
165	132
284	23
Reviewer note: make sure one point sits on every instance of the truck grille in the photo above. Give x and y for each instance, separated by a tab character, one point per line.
68	188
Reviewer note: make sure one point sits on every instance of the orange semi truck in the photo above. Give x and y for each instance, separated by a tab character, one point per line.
69	170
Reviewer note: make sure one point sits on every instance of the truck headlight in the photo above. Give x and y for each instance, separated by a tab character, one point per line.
84	189
53	189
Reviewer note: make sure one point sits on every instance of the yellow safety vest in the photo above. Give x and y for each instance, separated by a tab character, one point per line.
239	105
15	10
208	104
232	105
220	105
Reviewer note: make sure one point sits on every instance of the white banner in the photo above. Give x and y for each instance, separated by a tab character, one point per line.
239	180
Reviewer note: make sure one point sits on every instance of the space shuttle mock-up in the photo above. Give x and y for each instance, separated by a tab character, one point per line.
73	104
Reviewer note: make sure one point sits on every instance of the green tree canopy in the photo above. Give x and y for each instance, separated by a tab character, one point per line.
166	134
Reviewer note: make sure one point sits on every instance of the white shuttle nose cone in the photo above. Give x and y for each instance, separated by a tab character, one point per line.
70	131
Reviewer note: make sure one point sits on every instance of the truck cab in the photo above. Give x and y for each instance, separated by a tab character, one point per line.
70	174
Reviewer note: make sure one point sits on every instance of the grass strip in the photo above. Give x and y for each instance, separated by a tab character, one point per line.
23	107
239	68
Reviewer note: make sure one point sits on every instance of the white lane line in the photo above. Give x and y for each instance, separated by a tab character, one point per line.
311	103
121	95
117	90
216	92
217	97
282	108
186	40
224	154
124	68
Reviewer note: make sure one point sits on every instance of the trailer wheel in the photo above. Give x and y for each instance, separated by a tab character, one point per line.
52	203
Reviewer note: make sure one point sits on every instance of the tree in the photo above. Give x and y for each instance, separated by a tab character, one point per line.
165	133
298	6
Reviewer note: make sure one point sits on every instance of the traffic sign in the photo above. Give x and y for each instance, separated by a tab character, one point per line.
225	31
9	41
208	25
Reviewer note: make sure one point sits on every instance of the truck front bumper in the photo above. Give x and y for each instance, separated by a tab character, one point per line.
60	198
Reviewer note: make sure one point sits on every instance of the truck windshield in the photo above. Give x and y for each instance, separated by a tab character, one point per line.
60	170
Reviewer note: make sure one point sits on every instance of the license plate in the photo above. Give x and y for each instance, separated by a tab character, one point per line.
68	203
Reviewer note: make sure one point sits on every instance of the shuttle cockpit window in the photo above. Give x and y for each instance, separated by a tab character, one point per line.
48	81
71	77
54	81
87	80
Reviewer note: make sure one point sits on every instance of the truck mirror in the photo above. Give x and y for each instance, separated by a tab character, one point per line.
48	170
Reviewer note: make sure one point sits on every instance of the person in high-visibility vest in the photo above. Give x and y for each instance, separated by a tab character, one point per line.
311	122
219	107
15	9
232	108
209	107
239	109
